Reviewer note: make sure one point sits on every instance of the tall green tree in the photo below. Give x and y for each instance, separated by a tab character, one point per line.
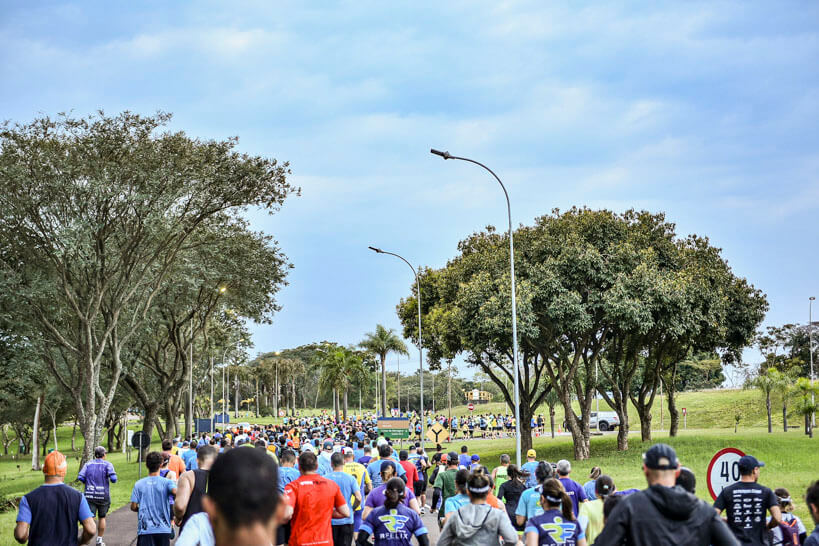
95	212
767	382
600	294
806	407
381	343
340	368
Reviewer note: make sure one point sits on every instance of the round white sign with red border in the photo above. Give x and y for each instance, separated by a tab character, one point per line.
723	470
471	406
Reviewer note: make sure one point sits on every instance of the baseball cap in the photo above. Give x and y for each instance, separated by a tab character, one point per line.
531	453
55	464
748	462
476	458
443	457
347	451
99	452
452	456
386	463
661	457
328	445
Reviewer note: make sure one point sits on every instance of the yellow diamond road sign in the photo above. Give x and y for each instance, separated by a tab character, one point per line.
436	433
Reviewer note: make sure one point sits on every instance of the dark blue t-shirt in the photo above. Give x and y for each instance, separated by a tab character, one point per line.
575	492
393	527
552	529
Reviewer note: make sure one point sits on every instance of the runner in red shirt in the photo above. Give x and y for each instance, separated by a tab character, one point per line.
412	472
315	501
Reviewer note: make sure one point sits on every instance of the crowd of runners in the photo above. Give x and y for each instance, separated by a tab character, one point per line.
312	481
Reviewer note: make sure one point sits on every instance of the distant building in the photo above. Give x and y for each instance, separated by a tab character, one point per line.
477	396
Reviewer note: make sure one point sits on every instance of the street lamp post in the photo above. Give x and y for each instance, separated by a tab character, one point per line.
810	346
446	155
420	349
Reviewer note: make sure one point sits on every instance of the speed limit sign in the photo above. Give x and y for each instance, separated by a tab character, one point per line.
471	407
723	470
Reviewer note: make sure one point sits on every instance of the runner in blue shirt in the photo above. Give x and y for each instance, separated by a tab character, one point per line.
557	524
529	466
150	500
374	468
287	471
343	527
529	503
393	524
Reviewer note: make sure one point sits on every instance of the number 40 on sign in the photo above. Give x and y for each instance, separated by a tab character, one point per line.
723	470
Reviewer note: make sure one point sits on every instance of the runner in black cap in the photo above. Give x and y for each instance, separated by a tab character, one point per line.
664	513
746	503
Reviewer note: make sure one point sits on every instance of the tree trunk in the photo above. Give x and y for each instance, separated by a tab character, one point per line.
6	439
768	409
45	442
74	436
580	440
54	425
35	452
345	404
645	423
622	433
293	396
670	391
785	415
236	400
552	420
110	439
525	425
383	385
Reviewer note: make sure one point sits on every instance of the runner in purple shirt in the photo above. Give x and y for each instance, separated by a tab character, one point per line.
573	489
96	474
393	524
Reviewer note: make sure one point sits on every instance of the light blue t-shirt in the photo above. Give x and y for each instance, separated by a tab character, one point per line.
529	503
374	470
348	487
189	457
453	503
197	532
152	494
530	467
286	475
324	466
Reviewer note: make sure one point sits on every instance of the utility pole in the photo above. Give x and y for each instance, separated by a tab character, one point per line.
189	424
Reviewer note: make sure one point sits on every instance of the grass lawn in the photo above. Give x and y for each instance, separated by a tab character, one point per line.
790	458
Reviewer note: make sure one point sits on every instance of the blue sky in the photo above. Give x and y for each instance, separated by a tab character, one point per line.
707	111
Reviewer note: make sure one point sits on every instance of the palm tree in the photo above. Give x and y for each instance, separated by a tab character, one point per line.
339	367
807	392
381	343
785	384
552	400
766	381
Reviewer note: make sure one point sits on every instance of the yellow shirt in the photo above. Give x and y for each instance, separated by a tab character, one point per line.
591	514
361	477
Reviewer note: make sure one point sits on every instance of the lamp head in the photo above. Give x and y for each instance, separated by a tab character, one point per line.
378	250
811	298
445	155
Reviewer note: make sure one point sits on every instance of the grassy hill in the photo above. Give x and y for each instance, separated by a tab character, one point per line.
713	408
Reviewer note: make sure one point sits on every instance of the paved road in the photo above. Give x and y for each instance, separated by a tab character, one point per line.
122	527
